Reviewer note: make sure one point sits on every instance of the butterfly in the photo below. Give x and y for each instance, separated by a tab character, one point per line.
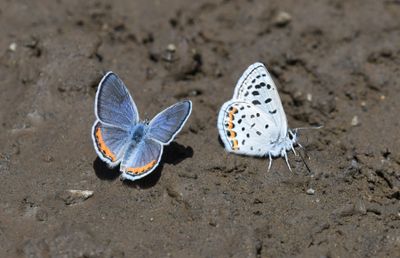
253	122
119	137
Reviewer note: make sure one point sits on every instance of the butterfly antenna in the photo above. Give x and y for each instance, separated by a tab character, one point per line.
304	149
305	163
308	128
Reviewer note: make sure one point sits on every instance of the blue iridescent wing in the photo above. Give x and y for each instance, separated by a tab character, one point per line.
167	124
109	142
141	159
114	105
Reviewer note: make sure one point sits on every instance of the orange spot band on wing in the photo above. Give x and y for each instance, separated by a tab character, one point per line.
140	170
102	145
230	127
235	144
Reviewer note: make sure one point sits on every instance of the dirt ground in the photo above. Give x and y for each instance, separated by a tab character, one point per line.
336	64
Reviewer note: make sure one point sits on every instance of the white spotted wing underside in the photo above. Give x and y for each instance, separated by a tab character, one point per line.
257	87
254	119
246	129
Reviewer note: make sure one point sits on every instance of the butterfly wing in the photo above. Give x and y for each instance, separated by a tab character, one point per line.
109	142
167	124
257	87
141	159
114	105
245	129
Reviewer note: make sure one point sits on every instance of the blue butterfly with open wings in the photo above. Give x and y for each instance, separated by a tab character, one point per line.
119	137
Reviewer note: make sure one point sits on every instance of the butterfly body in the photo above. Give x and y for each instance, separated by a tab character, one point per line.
120	138
253	122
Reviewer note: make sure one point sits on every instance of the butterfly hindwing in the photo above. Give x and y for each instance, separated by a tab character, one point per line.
109	142
164	126
114	104
141	159
246	129
257	87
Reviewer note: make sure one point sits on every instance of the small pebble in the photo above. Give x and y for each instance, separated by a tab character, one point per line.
75	196
355	121
309	97
310	191
171	48
282	19
13	47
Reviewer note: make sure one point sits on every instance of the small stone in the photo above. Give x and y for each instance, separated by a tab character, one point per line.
309	97
171	48
355	121
75	196
282	19
13	47
310	191
360	207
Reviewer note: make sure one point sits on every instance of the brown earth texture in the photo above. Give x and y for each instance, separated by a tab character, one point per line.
336	63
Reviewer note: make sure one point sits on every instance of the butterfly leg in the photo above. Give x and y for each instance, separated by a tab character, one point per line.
295	153
270	161
286	158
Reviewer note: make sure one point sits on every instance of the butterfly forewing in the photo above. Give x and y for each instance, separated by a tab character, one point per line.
114	105
169	122
246	129
257	87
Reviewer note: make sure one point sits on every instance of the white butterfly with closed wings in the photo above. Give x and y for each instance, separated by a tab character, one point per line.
253	122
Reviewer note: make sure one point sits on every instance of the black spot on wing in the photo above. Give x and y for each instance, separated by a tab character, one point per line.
268	86
255	93
256	102
268	100
272	112
258	132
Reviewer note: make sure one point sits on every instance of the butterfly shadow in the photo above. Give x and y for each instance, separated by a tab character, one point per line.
173	154
103	171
